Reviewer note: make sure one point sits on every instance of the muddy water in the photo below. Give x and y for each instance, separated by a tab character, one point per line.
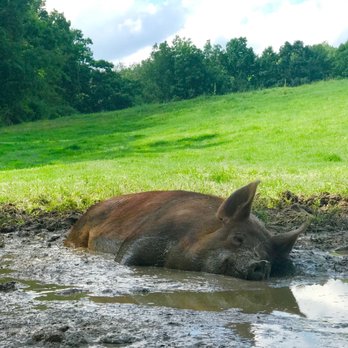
53	296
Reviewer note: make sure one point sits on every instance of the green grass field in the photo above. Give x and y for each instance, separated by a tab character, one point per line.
291	138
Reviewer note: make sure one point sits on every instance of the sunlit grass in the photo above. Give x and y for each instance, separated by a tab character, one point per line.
291	138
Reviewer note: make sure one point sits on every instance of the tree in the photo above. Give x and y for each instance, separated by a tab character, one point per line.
240	63
294	63
159	73
341	61
15	71
106	89
175	71
268	69
47	68
49	40
190	75
217	76
320	61
38	51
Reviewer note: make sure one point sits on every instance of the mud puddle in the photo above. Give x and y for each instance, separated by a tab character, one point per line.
258	314
51	296
316	301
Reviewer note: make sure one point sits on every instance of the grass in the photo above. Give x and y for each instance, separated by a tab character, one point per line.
291	138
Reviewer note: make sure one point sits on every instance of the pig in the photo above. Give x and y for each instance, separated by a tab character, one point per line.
187	231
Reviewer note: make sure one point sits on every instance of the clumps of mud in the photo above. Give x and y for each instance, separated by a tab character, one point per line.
327	213
7	287
33	257
325	208
326	236
13	219
322	201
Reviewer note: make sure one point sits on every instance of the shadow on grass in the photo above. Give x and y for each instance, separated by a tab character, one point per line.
183	143
107	147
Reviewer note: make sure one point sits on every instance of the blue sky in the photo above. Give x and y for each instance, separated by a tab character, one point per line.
124	31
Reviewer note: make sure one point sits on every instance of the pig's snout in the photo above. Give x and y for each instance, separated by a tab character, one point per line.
259	270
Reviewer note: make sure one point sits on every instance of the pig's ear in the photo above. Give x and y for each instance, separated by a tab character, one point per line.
237	207
283	243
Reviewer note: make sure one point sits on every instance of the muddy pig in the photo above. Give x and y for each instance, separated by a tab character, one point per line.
185	230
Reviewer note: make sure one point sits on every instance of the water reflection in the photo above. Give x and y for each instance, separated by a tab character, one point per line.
300	314
327	301
263	299
315	301
325	307
280	335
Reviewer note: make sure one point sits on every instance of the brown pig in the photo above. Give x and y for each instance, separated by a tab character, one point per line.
185	230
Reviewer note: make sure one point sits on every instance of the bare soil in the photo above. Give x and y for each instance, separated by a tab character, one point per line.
51	296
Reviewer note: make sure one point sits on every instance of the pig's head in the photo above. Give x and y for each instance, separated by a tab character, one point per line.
243	247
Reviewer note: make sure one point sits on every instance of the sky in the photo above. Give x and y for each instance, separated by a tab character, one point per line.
124	31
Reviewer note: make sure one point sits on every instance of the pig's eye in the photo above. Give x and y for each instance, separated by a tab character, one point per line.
238	240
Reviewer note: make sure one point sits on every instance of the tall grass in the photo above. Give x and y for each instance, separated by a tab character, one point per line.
291	138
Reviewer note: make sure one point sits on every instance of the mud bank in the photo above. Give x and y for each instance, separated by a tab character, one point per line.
51	296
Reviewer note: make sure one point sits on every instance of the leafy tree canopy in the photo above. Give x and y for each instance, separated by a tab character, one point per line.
47	68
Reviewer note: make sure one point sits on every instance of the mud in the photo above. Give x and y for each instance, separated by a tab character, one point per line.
51	296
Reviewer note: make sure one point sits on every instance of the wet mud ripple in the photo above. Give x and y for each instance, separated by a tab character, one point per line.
51	296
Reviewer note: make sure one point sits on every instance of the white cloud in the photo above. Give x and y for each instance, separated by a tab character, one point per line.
133	25
267	23
136	57
84	11
126	30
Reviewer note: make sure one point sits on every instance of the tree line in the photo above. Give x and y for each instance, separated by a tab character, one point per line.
47	68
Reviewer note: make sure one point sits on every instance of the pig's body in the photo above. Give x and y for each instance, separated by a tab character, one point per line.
183	230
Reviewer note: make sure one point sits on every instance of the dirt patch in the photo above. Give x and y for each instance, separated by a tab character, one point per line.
14	219
51	296
328	215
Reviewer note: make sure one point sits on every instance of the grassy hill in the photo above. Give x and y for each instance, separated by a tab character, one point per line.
291	138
